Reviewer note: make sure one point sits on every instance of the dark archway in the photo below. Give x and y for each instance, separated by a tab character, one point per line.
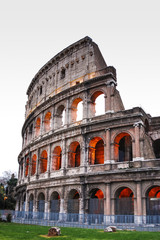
156	147
54	206
73	206
41	205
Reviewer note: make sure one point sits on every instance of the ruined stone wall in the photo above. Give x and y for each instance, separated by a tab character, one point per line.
97	156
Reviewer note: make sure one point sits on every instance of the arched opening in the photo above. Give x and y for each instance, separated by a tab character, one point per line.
41	205
77	110
153	205
34	159
74	155
57	158
27	167
96	151
73	205
97	104
30	206
124	204
43	162
60	121
47	122
96	206
37	127
54	206
156	147
123	147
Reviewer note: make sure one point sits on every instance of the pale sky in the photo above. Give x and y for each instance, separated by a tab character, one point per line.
33	31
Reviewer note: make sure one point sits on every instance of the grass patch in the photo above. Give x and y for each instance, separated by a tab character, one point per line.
14	231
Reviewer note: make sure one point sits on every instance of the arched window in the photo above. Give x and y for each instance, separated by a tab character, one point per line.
57	158
97	106
96	151
37	127
27	167
47	122
74	155
123	147
43	162
124	204
77	110
34	159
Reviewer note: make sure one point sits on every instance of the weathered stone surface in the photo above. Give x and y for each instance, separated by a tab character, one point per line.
54	231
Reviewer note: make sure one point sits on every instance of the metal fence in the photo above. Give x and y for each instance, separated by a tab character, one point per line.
99	221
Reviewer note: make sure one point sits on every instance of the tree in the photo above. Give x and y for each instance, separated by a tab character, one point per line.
8	183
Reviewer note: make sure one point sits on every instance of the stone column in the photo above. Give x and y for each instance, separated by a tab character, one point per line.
37	163
49	160
108	99
108	146
63	160
67	113
85	108
41	124
137	142
107	209
139	204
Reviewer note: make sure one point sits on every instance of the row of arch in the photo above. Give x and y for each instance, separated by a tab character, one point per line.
61	116
123	152
124	202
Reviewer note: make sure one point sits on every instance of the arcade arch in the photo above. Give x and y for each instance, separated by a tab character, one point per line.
123	147
96	151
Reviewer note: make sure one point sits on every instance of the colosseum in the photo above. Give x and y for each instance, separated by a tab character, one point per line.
81	158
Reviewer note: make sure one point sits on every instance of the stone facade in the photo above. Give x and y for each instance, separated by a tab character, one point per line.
69	165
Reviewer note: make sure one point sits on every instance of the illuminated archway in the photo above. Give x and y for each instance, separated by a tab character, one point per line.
37	127
43	162
97	106
34	159
123	147
77	110
96	151
57	158
96	201
27	167
153	202
74	155
47	122
124	204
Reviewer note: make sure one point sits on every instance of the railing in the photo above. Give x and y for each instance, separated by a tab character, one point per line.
99	221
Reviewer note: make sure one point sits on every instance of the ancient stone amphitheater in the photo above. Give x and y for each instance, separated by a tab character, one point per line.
81	157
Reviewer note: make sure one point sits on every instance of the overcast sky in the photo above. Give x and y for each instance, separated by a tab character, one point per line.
33	31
